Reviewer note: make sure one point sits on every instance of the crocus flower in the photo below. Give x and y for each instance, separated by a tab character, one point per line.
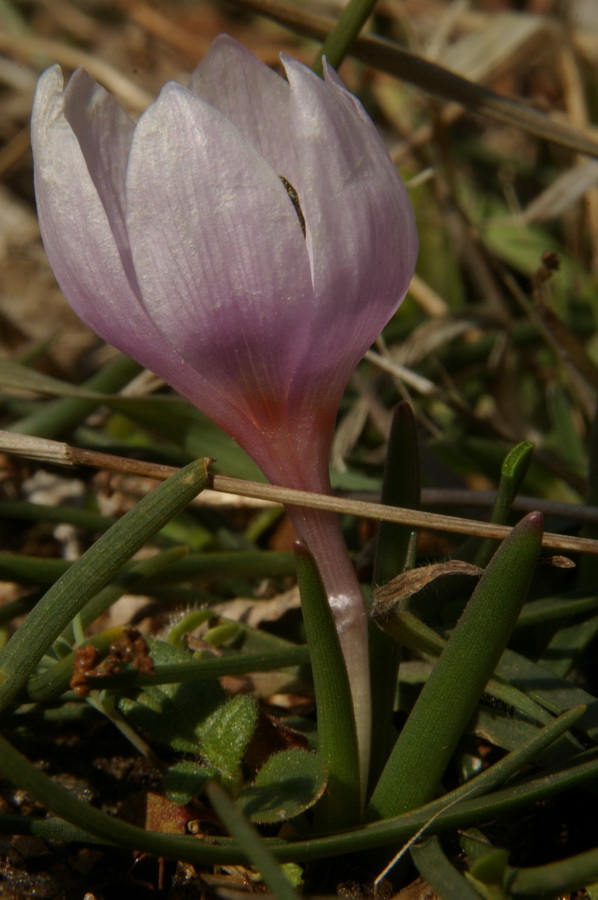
246	240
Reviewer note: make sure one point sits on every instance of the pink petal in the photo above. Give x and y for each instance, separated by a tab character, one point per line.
219	251
252	96
79	238
361	232
75	227
104	133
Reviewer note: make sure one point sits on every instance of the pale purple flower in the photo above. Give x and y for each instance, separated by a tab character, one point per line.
178	242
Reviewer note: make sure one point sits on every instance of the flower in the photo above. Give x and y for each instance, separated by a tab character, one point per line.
246	240
176	240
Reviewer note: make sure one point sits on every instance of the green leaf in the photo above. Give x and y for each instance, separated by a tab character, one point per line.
186	780
433	865
554	879
568	644
22	378
207	566
193	669
75	403
124	583
255	848
338	43
450	695
513	471
225	735
337	739
565	440
551	691
400	487
394	548
189	429
287	784
521	246
184	425
109	830
85	578
589	563
490	869
195	717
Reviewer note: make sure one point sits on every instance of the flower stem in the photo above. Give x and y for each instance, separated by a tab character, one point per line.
321	532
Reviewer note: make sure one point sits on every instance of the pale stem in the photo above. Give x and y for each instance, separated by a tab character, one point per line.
321	532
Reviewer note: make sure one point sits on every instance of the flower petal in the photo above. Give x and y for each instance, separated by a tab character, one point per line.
77	233
361	232
104	133
253	97
81	245
218	249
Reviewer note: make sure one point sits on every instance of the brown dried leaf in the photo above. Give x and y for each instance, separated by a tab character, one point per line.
403	586
558	562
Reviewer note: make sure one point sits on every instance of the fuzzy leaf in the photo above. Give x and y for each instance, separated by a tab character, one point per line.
186	779
287	784
194	717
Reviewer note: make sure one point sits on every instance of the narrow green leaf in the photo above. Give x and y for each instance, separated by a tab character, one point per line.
171	416
123	583
394	547
55	680
17	769
410	631
554	693
566	606
88	820
252	843
338	43
475	844
568	644
513	471
42	687
453	689
503	729
91	573
400	487
41	512
554	879
190	429
388	56
433	865
490	868
337	740
20	377
61	416
208	566
565	439
32	570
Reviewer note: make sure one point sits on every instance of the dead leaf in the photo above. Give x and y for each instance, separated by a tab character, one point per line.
411	582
